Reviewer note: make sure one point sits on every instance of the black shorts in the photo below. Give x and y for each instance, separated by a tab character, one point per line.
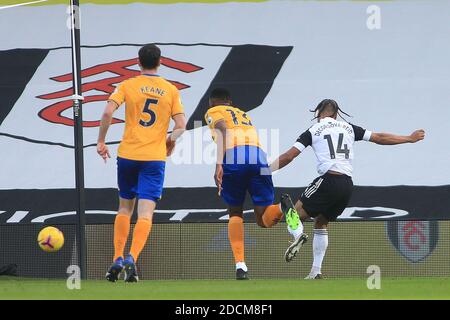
327	195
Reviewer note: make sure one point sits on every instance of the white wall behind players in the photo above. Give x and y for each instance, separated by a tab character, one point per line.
394	79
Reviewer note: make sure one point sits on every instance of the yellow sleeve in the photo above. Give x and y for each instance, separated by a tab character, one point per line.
212	117
118	96
177	106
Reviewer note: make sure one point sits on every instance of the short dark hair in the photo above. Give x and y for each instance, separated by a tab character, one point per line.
149	56
220	94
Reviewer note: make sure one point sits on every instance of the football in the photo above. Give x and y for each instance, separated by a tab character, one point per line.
50	239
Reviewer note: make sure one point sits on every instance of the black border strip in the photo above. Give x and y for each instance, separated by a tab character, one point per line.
421	203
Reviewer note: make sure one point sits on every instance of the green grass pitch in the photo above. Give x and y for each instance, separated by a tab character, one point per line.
400	288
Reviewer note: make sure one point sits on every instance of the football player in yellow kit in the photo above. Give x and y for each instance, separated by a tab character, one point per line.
242	166
150	103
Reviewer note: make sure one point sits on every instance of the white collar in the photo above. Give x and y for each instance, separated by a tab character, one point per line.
327	119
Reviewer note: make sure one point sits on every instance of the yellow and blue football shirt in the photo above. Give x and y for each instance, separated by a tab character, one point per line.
150	103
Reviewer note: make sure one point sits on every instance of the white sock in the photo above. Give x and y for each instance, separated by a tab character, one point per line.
320	244
297	232
241	265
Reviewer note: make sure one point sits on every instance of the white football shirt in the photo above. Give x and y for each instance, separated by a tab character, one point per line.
332	142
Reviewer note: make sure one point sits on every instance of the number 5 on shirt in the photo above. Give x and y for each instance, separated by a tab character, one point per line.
150	112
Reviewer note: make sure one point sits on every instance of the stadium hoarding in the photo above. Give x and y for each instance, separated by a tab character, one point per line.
369	73
248	70
50	127
386	84
353	247
200	205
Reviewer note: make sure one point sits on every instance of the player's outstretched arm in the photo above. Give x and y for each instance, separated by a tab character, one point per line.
392	139
102	148
178	130
284	159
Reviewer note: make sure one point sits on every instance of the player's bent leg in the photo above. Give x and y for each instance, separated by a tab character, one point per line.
126	206
141	232
262	192
234	190
236	238
292	217
320	244
146	208
320	222
302	213
122	225
121	232
127	180
268	216
300	238
259	211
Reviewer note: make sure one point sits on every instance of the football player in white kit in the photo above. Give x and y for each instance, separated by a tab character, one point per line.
328	195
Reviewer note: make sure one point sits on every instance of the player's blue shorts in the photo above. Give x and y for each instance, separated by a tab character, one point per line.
245	169
142	179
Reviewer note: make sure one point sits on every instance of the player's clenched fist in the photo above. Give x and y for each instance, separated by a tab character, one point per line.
417	135
103	151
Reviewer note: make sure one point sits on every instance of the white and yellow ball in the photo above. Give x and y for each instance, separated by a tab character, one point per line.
50	239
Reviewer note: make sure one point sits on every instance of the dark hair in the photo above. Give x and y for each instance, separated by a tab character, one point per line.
149	56
220	94
328	104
